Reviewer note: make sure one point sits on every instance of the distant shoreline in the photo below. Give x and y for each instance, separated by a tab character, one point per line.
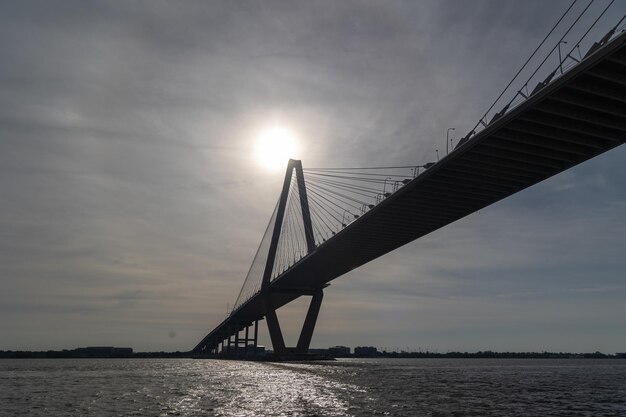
77	354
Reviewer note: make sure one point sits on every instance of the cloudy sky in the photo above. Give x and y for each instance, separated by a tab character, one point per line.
132	202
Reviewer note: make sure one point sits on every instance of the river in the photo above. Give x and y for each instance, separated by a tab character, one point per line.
346	387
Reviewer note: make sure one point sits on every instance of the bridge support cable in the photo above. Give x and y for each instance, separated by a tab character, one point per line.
253	281
533	54
339	196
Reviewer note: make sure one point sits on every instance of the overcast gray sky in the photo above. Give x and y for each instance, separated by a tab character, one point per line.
132	203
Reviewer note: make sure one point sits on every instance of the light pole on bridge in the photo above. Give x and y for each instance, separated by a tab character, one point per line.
448	143
560	60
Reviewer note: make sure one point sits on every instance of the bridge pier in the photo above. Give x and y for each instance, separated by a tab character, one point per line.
267	287
256	335
306	333
276	335
232	340
245	347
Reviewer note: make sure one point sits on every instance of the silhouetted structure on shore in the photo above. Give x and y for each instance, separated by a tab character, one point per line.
332	352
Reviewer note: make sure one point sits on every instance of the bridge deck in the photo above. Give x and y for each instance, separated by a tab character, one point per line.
576	117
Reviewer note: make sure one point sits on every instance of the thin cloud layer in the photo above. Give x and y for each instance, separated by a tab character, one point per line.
132	205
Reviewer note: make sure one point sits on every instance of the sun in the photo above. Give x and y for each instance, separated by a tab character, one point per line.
274	147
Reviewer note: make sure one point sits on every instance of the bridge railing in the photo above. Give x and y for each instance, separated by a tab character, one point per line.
556	62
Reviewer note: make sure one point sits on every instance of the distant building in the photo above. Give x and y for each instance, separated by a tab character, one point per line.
365	351
251	351
339	351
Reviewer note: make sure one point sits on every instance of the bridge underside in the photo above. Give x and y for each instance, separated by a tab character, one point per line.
576	117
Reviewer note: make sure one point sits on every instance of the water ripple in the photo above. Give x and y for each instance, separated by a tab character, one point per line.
412	387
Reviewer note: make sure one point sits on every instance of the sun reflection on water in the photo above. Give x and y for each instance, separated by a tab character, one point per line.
246	389
279	390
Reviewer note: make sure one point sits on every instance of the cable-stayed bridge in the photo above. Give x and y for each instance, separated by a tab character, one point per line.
329	221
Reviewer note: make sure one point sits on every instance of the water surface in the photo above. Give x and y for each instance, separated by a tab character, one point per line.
349	387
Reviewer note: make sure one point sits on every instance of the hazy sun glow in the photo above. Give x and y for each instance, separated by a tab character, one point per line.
274	147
